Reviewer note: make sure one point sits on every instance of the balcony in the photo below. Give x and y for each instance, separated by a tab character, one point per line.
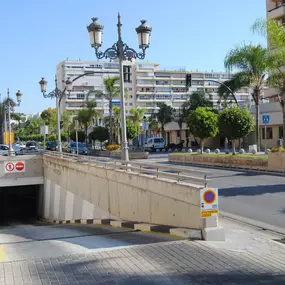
276	13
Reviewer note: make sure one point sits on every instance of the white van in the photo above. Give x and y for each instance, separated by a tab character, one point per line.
154	144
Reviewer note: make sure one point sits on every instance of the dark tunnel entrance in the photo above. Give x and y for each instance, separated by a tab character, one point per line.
19	204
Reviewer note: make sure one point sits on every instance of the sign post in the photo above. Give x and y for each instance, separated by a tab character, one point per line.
265	121
209	204
76	136
44	131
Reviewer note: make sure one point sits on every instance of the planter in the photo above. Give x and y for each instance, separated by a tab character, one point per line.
227	161
117	154
276	161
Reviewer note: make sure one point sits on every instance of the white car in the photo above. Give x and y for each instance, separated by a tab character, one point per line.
154	144
4	149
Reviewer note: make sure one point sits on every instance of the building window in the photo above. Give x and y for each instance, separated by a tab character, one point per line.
269	133
281	132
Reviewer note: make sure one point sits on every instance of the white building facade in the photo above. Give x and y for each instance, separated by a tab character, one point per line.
146	84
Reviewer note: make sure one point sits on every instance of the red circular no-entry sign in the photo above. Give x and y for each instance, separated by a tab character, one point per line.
19	166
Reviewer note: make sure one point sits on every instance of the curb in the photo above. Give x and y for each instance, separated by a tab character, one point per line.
257	224
190	234
265	171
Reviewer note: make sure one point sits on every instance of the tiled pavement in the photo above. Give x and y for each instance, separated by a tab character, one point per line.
178	262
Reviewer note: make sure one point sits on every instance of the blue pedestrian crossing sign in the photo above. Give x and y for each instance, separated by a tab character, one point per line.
265	119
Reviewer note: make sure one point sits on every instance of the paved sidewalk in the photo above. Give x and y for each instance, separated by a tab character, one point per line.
247	257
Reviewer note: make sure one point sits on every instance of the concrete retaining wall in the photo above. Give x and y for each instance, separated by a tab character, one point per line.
230	161
76	190
33	174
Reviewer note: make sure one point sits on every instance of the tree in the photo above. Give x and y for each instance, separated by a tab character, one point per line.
251	62
86	115
81	136
49	118
137	115
235	123
67	117
111	92
203	123
273	30
164	116
99	133
131	130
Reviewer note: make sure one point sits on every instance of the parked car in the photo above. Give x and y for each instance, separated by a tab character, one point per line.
51	145
174	146
4	149
154	144
72	148
32	145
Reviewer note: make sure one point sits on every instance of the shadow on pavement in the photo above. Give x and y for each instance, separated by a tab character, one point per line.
252	190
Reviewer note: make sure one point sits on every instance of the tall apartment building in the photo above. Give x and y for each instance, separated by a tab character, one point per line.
83	87
155	85
275	9
146	83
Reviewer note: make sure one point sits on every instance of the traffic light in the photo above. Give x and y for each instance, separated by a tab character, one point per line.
188	80
61	124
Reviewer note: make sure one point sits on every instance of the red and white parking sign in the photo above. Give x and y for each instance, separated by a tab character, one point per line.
14	166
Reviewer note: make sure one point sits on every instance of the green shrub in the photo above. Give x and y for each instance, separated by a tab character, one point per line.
278	149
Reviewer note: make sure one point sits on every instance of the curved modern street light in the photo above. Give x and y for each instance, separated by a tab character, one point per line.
120	51
58	94
19	100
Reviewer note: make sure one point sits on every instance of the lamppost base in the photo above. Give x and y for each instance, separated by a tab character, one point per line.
11	153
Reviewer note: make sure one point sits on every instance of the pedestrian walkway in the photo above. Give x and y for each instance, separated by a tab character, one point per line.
249	256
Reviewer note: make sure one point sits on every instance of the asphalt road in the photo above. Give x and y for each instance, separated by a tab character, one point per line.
252	195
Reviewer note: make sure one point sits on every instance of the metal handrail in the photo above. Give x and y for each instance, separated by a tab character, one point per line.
155	170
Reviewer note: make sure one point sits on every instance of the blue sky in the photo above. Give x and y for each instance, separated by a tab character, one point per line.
36	35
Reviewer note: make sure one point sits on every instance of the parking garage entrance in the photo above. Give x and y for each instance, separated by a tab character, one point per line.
19	204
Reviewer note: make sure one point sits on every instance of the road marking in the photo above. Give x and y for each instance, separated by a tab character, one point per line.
2	254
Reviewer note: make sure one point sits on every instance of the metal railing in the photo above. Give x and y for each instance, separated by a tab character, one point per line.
179	174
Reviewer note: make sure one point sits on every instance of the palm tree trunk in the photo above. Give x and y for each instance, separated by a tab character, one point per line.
202	145
257	132
86	130
110	122
283	113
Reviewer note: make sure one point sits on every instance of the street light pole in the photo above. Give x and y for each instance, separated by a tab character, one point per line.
58	94
19	100
9	123
120	51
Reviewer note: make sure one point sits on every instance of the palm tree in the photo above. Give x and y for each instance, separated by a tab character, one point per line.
111	92
163	116
117	121
137	115
86	116
273	30
251	62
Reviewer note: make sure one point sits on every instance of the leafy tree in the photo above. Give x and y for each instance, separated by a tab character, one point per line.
137	115
164	116
81	136
49	118
273	30
251	62
131	130
203	123
235	123
99	133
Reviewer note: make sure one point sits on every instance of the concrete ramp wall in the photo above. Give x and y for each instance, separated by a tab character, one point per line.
75	190
32	175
